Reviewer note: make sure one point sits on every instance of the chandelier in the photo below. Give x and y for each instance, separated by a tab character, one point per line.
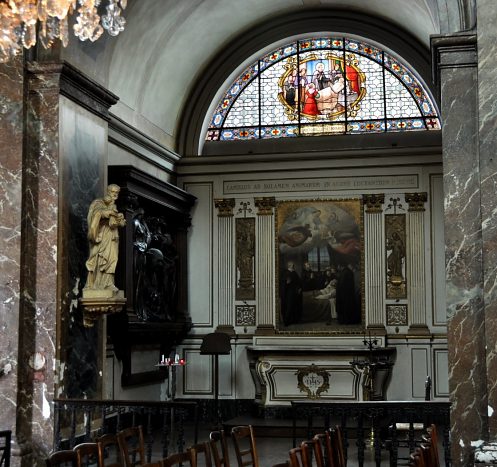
21	20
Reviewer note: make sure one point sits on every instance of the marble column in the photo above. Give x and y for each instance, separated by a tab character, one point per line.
225	266
264	253
455	59
42	228
374	261
38	307
11	141
415	259
487	114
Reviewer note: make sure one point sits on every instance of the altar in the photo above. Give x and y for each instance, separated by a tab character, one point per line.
315	371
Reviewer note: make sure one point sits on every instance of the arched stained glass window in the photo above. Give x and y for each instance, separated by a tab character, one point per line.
322	86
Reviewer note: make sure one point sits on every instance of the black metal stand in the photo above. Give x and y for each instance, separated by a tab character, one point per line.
216	343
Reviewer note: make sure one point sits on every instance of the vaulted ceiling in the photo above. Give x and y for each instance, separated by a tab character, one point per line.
167	44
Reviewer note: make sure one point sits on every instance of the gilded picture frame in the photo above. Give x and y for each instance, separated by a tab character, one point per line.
319	266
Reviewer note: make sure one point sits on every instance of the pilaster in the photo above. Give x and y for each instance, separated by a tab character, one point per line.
226	267
265	265
375	261
416	263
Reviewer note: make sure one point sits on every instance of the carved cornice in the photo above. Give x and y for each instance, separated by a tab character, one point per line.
416	201
265	206
225	206
73	84
374	202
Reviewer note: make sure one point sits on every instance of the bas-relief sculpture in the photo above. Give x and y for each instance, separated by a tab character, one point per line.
100	295
155	260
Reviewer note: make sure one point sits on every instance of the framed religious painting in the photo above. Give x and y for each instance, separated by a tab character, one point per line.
319	255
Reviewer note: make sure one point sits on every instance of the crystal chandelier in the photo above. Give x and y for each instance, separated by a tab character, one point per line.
19	20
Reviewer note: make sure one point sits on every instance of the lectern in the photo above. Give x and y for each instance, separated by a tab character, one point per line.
216	343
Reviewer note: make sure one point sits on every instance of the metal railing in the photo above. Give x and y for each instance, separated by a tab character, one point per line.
373	425
168	424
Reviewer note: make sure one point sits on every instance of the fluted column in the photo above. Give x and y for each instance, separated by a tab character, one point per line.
416	274
225	266
264	265
374	261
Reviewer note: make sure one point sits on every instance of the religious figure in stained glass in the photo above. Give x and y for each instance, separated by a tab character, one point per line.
327	87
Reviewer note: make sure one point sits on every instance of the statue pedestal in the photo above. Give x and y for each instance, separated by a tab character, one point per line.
97	303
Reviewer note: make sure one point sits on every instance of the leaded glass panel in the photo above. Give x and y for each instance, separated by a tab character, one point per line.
322	86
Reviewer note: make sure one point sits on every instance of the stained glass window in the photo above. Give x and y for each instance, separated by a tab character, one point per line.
322	86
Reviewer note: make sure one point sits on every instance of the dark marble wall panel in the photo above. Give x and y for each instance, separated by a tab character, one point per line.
487	94
11	112
83	156
463	239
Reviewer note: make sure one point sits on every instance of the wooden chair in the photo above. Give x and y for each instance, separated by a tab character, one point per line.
5	439
219	448
282	464
337	447
313	449
433	439
132	446
202	449
62	458
109	451
180	458
298	458
416	459
245	448
324	439
86	453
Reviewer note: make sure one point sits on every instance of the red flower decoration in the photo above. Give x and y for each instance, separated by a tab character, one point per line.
368	50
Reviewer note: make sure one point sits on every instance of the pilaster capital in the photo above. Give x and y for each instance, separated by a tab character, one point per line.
265	206
416	201
374	202
224	206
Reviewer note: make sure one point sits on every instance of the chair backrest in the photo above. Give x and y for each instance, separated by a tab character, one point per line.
324	439
109	451
179	458
433	434
5	439
62	458
245	447
202	449
219	448
86	453
313	449
132	446
416	459
337	446
298	458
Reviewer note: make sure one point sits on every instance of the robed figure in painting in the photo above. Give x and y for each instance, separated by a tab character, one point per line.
103	236
291	295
